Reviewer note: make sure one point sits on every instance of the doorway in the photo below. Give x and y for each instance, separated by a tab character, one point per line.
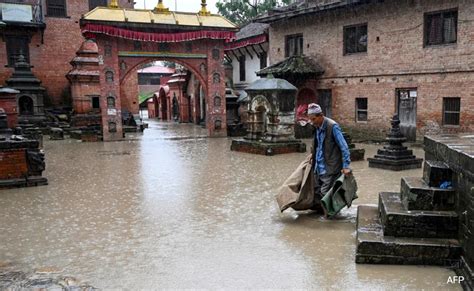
406	110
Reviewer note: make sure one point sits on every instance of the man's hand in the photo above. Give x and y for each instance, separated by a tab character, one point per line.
346	171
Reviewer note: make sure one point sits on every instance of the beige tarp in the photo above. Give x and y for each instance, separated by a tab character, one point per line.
297	191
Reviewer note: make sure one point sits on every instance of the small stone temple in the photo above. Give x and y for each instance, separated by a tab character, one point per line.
395	156
431	220
31	95
271	119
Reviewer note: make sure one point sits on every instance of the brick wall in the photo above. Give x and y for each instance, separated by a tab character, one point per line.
395	59
62	38
13	164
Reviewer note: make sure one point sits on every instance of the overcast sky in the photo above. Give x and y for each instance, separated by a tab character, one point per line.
182	5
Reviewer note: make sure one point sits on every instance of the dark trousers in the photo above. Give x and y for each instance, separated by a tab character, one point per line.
322	184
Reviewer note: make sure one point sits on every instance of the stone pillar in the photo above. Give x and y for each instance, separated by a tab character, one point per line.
110	102
216	112
9	105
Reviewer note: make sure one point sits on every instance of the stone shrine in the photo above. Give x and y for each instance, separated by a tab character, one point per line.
30	98
431	220
271	119
395	156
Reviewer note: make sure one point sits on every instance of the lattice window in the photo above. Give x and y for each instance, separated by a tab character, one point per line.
451	110
56	8
95	3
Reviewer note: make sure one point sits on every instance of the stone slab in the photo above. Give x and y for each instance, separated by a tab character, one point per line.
436	172
375	248
395	165
268	149
399	222
417	195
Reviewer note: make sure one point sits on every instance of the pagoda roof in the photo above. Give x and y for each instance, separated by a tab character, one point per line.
172	18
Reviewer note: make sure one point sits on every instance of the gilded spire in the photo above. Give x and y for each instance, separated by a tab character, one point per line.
160	7
203	10
113	4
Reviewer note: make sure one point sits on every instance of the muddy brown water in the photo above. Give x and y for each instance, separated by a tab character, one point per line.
172	209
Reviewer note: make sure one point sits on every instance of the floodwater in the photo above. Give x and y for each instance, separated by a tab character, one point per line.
170	208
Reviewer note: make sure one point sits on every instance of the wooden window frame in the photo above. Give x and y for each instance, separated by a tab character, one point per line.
242	70
49	9
93	5
358	110
298	47
458	112
345	37
427	42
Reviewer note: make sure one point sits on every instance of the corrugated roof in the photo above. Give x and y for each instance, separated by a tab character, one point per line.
142	16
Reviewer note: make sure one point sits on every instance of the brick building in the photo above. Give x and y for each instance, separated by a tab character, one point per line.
48	34
413	58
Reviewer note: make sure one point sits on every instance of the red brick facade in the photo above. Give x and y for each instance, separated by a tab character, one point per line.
396	58
13	164
51	53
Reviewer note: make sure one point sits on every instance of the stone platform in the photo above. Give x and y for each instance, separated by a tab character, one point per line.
431	220
267	148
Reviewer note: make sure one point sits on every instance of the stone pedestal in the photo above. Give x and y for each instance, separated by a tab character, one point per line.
271	119
395	156
431	220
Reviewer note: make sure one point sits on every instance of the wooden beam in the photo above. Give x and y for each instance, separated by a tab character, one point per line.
255	51
251	56
261	47
236	57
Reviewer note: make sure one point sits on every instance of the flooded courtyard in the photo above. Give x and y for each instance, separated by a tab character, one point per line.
171	208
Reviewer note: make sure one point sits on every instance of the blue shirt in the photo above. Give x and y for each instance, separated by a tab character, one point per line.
320	167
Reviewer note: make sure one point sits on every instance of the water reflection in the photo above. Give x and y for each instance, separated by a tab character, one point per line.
172	209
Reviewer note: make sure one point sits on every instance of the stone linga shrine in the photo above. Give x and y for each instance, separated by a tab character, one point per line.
119	41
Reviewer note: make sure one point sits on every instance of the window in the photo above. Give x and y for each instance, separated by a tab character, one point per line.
110	102
16	46
263	60
242	68
109	77
361	109
137	45
293	45
56	8
451	110
95	102
94	3
355	39
441	27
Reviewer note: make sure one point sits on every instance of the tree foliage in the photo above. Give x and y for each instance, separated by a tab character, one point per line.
242	12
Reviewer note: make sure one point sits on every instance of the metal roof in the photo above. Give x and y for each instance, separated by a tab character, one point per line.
142	16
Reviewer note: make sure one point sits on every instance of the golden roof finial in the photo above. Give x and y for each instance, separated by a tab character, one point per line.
203	10
160	8
113	4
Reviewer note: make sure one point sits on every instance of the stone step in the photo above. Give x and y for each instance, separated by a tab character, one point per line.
375	248
436	172
399	222
417	195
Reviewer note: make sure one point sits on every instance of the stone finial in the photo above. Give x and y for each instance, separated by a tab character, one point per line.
204	11
113	4
160	8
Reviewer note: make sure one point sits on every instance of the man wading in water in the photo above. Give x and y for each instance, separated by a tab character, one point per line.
330	155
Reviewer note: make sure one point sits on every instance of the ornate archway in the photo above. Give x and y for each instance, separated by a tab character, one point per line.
127	38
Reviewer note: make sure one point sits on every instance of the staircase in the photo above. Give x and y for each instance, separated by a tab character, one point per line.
417	226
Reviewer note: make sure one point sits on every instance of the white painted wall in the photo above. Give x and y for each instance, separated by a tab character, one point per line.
251	66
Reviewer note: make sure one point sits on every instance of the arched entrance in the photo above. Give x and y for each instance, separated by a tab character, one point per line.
139	36
26	105
163	102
